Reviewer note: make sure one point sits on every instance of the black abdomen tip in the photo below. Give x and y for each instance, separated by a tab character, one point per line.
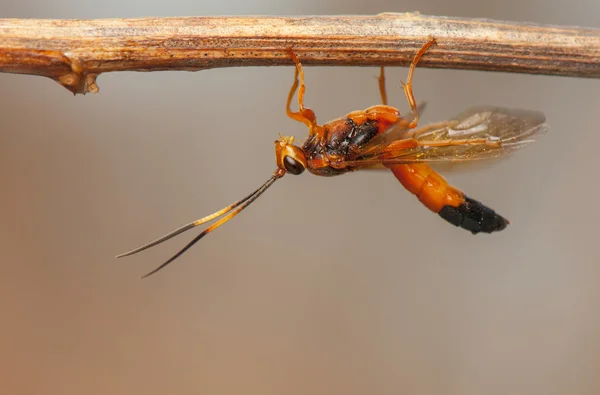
474	217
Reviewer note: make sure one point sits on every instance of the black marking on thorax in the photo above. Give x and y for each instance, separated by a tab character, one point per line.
348	140
343	140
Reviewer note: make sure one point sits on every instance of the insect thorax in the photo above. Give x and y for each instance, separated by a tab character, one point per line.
342	141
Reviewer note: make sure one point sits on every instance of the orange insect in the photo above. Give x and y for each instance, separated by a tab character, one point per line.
379	137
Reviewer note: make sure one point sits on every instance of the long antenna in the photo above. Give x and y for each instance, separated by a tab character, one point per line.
243	203
187	227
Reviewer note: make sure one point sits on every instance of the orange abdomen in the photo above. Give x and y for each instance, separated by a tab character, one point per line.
451	204
428	186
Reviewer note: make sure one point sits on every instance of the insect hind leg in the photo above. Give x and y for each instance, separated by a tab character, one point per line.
408	85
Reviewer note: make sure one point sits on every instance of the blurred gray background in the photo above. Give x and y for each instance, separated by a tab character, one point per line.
324	286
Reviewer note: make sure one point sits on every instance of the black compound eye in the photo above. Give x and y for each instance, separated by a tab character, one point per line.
292	165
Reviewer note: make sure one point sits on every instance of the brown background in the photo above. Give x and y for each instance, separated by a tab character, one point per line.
325	286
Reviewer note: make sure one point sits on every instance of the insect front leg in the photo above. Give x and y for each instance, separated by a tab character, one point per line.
304	115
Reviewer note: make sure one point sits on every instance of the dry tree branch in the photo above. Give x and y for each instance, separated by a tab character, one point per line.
74	52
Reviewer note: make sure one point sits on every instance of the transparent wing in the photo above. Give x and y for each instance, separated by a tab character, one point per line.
478	133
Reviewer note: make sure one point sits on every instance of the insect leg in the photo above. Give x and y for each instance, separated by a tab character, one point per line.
304	115
396	146
450	203
382	89
446	143
430	127
408	85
